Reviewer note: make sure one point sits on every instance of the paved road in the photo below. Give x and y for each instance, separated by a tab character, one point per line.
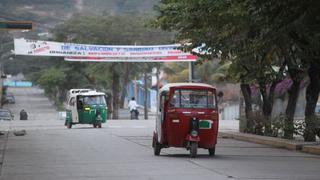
122	150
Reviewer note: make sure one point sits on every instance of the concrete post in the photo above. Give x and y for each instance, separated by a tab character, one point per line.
191	71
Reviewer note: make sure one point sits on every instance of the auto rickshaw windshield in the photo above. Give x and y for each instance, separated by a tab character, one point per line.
183	98
94	100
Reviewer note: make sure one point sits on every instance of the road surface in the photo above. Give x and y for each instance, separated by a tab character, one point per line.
122	150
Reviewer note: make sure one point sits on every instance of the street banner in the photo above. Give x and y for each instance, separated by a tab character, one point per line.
49	48
142	59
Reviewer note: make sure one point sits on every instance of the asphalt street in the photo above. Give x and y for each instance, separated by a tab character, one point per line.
122	150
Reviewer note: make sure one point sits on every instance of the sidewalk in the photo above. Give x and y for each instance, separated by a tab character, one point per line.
229	129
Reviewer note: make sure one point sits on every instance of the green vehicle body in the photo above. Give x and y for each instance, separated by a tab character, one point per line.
85	107
89	116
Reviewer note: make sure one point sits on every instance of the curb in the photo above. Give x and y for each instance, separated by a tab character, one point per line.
312	149
3	142
309	147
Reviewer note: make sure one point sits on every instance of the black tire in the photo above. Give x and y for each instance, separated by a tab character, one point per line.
99	124
156	147
69	125
212	151
136	114
94	125
193	149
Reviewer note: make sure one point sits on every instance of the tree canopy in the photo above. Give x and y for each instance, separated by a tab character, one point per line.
264	40
110	77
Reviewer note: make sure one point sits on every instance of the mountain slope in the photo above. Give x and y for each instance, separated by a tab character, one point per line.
53	11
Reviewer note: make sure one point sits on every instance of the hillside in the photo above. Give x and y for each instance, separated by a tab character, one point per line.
119	6
50	12
46	14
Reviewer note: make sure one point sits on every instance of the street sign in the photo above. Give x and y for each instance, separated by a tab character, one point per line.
15	25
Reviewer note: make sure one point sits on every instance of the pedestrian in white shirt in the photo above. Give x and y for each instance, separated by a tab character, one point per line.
133	107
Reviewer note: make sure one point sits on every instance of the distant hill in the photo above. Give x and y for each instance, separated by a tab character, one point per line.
119	6
44	12
49	12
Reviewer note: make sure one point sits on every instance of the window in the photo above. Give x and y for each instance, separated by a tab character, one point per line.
176	100
93	100
193	99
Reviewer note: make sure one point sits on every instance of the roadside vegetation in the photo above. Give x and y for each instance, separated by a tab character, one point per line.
111	78
265	41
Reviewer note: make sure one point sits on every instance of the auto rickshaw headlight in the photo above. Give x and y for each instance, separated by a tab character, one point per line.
194	133
87	109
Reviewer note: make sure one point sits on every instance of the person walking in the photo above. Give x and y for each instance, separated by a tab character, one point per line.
133	107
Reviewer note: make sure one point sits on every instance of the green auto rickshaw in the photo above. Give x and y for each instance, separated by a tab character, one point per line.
86	106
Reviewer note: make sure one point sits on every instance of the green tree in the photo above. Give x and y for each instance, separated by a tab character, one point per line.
52	81
259	37
223	26
104	29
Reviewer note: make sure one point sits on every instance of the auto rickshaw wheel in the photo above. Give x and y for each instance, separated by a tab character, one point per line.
212	151
69	125
94	125
156	147
99	124
193	149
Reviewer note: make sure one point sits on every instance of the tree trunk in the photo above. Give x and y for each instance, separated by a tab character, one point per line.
109	105
267	106
57	96
145	95
312	95
115	94
291	108
246	92
124	85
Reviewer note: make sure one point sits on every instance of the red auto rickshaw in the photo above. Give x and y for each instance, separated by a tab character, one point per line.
188	118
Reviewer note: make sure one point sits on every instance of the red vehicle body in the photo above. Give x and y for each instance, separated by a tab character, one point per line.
188	118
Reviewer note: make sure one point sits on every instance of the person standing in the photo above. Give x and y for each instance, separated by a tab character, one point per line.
23	115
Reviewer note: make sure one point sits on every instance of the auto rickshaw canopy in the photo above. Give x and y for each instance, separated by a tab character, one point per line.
167	87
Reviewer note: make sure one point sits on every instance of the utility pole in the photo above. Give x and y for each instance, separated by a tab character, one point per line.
1	81
135	88
145	94
191	71
1	85
157	86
